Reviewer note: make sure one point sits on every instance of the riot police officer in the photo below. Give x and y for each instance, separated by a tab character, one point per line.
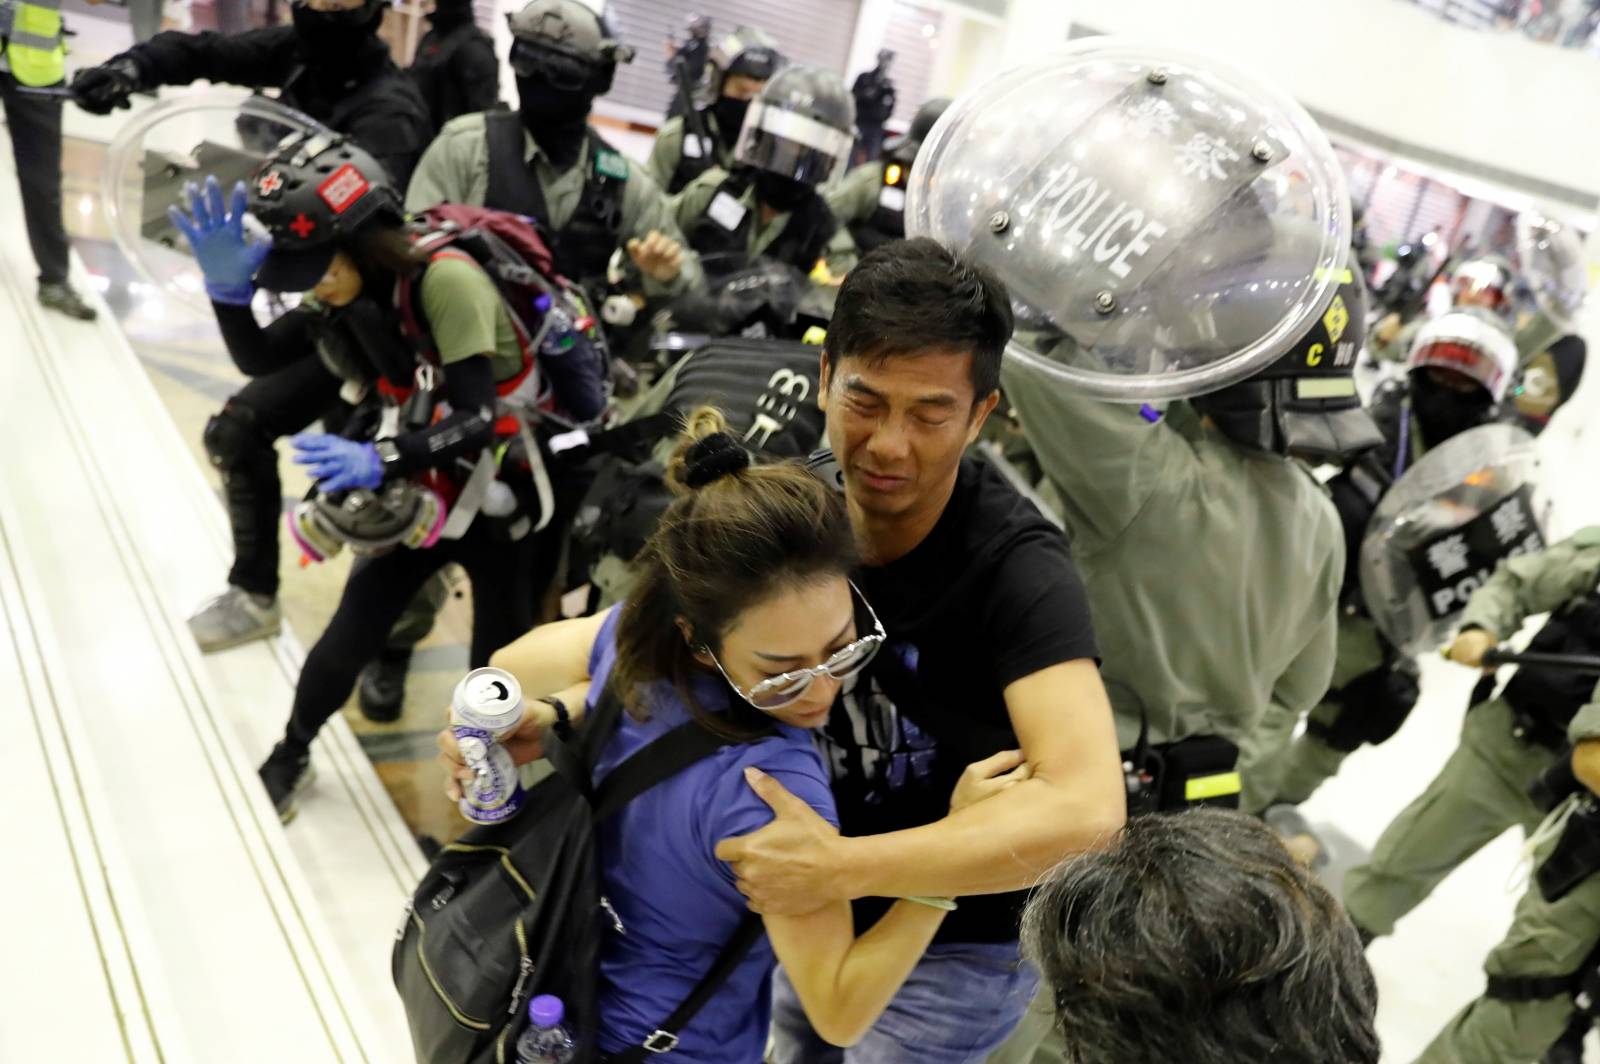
687	146
875	99
1485	282
1549	953
455	68
1460	368
543	160
330	64
1150	263
871	199
769	205
687	61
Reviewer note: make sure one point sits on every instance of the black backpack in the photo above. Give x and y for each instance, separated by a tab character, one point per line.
766	388
514	910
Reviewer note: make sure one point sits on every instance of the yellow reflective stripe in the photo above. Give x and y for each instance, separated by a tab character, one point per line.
24	39
1221	785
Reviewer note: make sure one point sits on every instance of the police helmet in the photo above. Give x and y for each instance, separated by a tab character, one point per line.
801	127
903	149
1306	403
1485	282
1471	342
566	44
747	51
317	190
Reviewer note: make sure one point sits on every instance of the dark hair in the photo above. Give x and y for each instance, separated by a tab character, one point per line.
745	532
913	296
385	250
1197	937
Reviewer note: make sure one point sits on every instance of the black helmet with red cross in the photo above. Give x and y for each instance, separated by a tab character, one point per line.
316	192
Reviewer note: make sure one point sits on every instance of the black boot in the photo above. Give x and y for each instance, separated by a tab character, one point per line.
382	690
285	774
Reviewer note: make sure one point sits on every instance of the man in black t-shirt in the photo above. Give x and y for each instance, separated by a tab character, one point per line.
989	649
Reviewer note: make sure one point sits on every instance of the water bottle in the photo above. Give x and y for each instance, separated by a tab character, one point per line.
570	361
545	1041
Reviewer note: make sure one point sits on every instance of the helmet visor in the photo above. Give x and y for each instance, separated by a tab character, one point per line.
791	145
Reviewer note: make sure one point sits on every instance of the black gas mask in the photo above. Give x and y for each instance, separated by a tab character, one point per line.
1443	412
782	193
333	37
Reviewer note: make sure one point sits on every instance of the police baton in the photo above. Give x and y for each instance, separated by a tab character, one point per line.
1580	663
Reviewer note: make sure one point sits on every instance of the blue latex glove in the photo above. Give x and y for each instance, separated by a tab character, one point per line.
338	464
227	259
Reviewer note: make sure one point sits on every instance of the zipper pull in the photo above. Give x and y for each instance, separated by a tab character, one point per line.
524	969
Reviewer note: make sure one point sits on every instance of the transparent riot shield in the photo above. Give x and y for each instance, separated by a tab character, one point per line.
1166	224
1552	263
1444	526
226	133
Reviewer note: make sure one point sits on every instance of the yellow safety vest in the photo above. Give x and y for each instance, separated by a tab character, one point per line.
35	49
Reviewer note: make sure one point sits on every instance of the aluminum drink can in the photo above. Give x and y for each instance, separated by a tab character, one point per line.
485	708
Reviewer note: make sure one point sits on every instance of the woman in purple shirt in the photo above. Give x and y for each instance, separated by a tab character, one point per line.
743	618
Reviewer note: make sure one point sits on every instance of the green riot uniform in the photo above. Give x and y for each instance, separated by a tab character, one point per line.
1166	520
1482	789
854	197
694	216
1534	971
455	169
667	159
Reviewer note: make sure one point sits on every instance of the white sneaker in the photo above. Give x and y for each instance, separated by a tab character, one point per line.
234	617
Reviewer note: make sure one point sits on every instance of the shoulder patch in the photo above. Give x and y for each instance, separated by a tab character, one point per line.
611	164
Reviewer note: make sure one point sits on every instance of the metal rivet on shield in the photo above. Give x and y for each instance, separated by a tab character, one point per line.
999	222
1262	152
1157	76
1105	302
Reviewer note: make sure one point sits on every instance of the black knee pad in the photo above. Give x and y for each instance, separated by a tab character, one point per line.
232	438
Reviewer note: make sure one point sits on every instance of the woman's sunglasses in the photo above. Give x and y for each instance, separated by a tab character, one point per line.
779	691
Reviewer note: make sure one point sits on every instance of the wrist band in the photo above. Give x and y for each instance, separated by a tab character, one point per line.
947	904
563	718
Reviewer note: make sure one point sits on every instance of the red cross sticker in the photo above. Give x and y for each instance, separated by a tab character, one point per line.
302	226
271	182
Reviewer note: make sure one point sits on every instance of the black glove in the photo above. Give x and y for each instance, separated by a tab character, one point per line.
100	89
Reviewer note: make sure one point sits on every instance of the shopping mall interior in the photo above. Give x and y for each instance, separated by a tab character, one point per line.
166	912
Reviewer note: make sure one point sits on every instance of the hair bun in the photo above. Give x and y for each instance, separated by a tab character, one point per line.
712	458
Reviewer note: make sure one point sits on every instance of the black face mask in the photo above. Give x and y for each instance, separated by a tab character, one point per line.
557	118
782	193
729	114
1443	412
332	37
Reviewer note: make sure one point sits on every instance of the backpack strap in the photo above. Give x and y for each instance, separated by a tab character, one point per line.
512	185
664	1039
658	762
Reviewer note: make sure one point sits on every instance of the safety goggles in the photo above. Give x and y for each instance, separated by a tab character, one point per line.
779	691
562	72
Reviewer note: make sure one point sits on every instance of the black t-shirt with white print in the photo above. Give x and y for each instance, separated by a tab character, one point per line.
989	597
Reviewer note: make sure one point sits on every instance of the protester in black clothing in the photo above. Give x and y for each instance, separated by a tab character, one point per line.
989	648
330	64
337	235
455	68
875	98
